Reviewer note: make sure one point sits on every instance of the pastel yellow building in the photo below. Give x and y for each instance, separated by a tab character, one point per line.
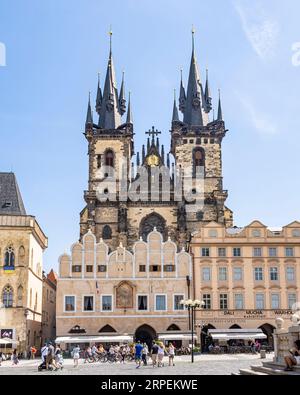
122	293
246	276
22	243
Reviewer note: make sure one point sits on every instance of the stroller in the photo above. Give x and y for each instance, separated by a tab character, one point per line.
42	366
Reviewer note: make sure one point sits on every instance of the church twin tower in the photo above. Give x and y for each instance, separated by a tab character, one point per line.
195	143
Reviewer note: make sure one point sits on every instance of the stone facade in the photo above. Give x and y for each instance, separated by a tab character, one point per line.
137	292
21	282
49	307
247	276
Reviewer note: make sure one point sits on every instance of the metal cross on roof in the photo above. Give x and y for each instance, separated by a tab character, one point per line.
153	132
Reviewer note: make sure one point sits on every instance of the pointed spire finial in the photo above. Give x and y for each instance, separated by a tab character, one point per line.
175	116
182	95
89	115
220	112
110	38
122	100
193	37
207	95
129	118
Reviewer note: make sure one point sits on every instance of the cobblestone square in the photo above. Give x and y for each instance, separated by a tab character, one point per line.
203	365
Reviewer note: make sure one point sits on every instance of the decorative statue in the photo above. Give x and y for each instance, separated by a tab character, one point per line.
279	323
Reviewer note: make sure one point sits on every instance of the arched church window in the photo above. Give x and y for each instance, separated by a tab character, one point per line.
199	157
9	258
150	222
7	296
109	158
20	296
107	232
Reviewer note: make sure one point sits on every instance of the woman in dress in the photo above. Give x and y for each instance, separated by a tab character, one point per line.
76	352
171	352
160	355
14	358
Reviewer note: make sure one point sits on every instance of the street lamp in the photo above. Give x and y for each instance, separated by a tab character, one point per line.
192	305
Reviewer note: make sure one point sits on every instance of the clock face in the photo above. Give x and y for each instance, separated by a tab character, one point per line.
153	160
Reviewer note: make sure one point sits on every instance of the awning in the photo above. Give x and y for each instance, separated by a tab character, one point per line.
176	336
8	341
94	339
237	334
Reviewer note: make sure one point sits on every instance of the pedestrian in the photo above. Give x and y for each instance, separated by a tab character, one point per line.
76	352
145	351
154	352
1	357
138	354
14	358
50	356
33	351
44	353
171	353
160	354
58	358
123	353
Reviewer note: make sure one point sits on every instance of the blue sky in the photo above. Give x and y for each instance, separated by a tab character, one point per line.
54	50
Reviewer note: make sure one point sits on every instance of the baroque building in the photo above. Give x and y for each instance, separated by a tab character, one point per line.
22	243
196	143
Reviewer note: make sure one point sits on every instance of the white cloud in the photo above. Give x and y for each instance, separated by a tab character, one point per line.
261	30
262	122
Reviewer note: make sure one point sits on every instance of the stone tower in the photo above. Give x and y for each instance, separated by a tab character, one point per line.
195	144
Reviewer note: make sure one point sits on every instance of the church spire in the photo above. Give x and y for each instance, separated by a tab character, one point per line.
194	113
207	95
175	116
182	95
129	112
220	112
99	96
110	115
122	100
89	115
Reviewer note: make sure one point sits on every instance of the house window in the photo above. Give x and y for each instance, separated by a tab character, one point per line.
198	159
142	268
222	252
88	303
206	274
260	301
89	268
290	274
257	252
101	268
205	251
258	274
207	301
69	303
272	252
154	268
292	299
76	269
274	274
236	252
296	233
223	301
106	302
289	252
177	302
275	301
222	274
7	296
142	302
169	268
239	301
256	233
237	274
213	233
160	303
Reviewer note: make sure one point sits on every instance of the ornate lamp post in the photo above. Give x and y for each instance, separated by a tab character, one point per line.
192	305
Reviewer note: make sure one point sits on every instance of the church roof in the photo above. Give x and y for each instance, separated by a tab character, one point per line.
10	197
